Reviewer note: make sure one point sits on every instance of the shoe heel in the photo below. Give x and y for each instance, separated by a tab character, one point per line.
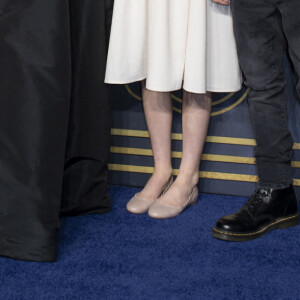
290	223
195	197
194	202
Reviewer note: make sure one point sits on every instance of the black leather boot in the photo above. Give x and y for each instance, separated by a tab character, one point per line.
266	209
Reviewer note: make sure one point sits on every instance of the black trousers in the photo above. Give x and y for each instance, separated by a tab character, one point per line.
262	28
54	120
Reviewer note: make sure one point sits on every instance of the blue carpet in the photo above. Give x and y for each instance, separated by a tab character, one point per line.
123	256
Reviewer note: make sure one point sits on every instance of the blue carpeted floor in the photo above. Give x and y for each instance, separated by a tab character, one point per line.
123	256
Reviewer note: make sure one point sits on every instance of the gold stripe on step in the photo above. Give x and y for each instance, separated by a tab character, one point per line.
203	174
178	136
206	157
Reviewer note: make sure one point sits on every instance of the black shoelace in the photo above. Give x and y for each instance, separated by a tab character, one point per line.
258	196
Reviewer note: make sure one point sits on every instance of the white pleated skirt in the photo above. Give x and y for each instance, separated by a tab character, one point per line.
173	44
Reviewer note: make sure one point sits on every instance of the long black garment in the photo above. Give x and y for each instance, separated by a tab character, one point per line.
54	120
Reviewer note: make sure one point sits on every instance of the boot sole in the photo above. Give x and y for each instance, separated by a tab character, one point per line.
282	223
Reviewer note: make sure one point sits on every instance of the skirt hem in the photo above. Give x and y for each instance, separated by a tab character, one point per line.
233	89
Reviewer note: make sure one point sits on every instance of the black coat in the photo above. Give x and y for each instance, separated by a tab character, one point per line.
54	119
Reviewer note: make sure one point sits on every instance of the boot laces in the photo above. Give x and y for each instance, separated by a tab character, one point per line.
259	195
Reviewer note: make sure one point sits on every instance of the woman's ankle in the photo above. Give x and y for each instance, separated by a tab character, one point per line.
163	173
190	179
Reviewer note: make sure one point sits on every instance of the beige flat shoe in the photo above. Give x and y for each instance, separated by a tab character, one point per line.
137	205
162	211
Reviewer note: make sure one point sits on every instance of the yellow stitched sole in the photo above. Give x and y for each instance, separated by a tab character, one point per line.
258	231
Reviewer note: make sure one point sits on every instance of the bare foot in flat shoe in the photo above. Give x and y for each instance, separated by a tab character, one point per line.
180	195
155	185
180	190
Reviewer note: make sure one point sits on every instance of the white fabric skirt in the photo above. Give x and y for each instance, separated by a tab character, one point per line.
173	44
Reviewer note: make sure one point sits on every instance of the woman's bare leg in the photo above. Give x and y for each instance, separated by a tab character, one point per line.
195	120
158	113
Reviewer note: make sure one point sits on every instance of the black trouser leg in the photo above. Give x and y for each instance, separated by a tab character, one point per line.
258	32
290	11
35	90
